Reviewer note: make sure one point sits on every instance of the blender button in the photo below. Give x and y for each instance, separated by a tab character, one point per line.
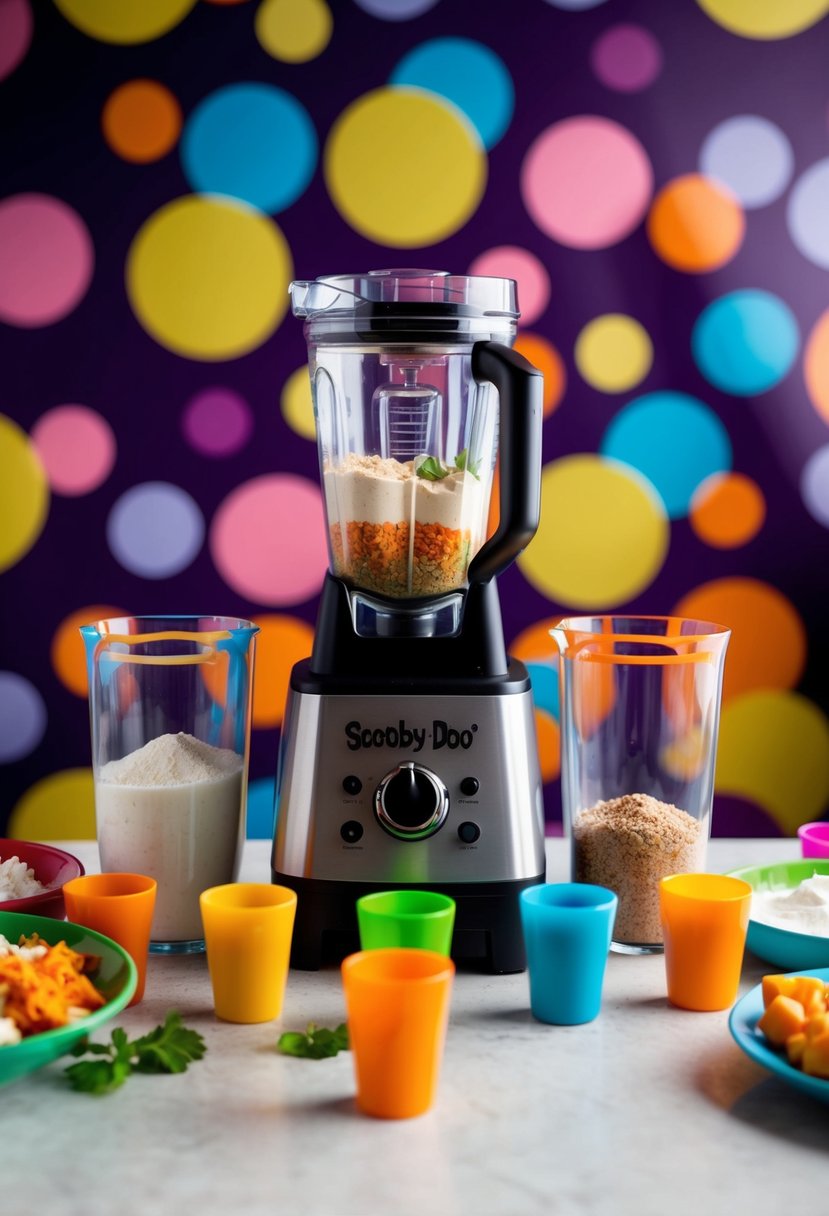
469	832
351	831
470	786
352	785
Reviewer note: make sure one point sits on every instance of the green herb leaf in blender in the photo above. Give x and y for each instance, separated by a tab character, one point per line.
431	469
317	1043
466	465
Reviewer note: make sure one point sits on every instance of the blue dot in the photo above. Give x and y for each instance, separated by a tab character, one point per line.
469	75
260	809
22	717
251	141
155	529
673	440
745	342
544	679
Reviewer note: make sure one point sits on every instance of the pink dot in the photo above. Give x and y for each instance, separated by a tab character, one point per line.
586	182
626	58
268	539
77	448
15	34
512	262
217	422
46	260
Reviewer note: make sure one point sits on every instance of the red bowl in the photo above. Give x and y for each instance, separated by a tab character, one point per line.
51	866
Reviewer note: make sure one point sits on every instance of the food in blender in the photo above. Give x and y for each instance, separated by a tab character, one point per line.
172	809
399	533
628	844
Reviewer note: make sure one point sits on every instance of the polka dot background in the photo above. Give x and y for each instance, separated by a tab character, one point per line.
670	249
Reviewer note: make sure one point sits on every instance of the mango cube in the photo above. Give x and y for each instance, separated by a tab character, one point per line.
784	1016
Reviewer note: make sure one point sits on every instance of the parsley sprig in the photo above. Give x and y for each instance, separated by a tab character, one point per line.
317	1043
169	1048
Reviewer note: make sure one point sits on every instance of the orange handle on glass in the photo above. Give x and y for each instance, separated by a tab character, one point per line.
704	924
121	907
398	1007
247	934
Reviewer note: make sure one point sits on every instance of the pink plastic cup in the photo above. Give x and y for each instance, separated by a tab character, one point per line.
814	839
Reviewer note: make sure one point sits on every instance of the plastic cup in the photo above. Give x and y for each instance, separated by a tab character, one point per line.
121	907
814	839
398	1008
704	922
421	920
568	927
247	932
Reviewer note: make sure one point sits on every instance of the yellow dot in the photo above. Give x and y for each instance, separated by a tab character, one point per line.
774	750
24	494
58	807
603	536
404	167
765	18
297	405
613	353
208	278
125	21
293	30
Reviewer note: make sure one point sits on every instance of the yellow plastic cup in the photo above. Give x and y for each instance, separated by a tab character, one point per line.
398	1007
704	924
121	907
247	935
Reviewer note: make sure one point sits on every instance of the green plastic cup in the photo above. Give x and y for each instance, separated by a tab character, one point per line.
420	920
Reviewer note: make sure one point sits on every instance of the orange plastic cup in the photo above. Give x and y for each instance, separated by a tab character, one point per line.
121	907
398	1007
247	934
704	924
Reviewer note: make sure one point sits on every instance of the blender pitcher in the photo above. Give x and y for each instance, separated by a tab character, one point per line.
404	373
640	712
169	702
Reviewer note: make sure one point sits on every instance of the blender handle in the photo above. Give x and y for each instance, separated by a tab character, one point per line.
520	390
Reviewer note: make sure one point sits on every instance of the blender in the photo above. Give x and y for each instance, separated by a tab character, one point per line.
408	756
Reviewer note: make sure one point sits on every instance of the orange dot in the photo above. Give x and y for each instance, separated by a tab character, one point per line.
68	654
549	745
141	121
534	643
695	224
768	639
543	355
727	510
816	366
281	642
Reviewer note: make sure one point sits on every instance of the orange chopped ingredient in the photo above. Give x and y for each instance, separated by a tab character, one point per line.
385	558
796	1018
43	993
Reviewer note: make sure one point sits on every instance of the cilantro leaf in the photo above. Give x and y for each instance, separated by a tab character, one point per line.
463	463
169	1048
431	469
317	1043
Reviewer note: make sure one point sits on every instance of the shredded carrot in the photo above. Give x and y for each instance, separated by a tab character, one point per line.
47	992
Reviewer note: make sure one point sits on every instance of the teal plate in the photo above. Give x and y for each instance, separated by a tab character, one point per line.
786	949
116	979
742	1023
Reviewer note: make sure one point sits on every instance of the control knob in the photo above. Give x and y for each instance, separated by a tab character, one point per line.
411	802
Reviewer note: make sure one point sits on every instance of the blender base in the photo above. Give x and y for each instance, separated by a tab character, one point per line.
487	920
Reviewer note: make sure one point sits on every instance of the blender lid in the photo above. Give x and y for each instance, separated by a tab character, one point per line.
405	293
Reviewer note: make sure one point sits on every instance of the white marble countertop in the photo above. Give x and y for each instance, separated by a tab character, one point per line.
648	1109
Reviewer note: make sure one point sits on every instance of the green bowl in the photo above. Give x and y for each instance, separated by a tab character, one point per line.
116	978
786	949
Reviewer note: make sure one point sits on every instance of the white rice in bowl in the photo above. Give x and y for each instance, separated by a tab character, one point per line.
17	880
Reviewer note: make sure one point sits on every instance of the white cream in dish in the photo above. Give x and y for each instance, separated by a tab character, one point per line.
801	909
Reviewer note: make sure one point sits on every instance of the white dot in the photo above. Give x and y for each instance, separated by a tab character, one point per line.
751	156
807	214
155	529
814	485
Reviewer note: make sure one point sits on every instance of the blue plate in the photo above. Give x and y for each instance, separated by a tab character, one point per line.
742	1023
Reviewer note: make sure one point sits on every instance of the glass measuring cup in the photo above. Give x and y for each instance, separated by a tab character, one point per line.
640	709
169	702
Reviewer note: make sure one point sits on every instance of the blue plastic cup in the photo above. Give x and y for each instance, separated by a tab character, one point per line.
567	927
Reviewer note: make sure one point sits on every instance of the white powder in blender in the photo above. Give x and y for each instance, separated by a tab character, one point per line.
172	809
